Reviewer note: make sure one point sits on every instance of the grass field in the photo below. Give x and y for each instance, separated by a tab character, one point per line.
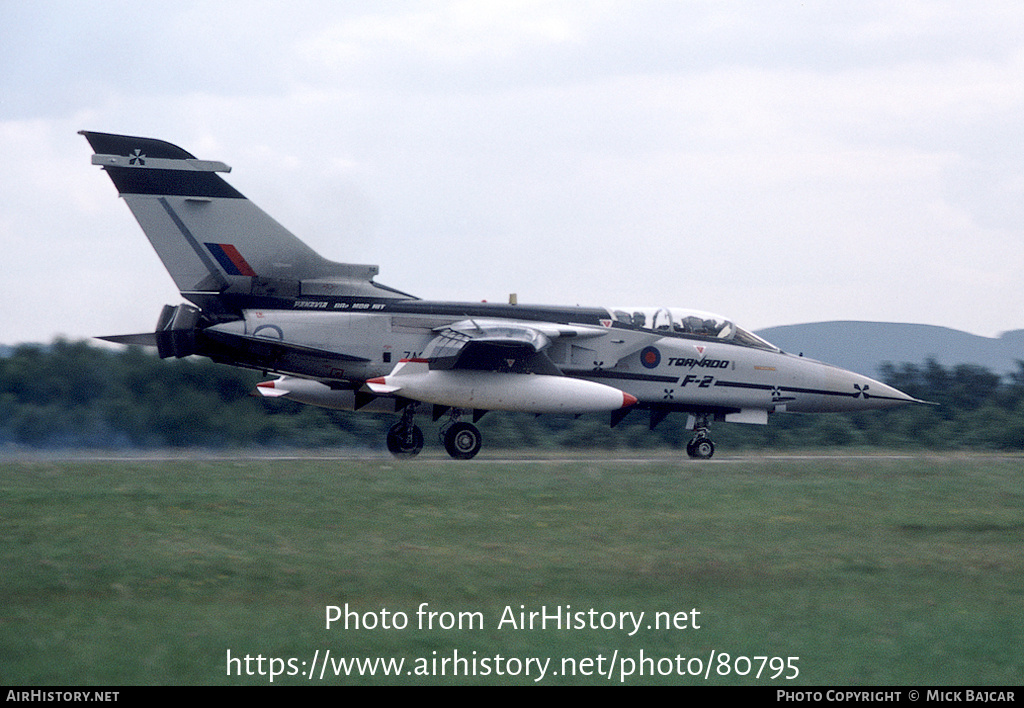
871	570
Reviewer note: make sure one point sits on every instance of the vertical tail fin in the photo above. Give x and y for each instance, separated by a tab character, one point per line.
211	239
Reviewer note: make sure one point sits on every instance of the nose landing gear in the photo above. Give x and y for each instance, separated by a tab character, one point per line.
701	447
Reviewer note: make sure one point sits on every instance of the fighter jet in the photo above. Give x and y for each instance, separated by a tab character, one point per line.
260	298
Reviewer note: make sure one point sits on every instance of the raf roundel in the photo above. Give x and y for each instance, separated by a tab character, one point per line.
650	357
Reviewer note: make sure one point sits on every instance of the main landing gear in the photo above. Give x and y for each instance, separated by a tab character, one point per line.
405	439
701	447
462	440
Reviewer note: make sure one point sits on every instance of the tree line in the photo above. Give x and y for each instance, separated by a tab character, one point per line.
77	395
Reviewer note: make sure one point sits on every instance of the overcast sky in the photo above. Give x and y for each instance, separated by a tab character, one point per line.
776	162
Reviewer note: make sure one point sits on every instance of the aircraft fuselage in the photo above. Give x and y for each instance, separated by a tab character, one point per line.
663	370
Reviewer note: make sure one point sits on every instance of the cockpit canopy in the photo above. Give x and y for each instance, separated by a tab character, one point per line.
687	323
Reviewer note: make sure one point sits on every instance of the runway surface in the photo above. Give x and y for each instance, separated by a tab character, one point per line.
440	458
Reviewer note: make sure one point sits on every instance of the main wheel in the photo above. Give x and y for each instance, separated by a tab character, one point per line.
404	441
462	440
700	448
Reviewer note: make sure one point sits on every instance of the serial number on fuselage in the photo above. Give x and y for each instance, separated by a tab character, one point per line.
325	305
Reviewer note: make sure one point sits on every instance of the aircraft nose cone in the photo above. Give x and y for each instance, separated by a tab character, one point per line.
867	393
882	395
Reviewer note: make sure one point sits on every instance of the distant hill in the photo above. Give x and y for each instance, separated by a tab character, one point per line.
862	346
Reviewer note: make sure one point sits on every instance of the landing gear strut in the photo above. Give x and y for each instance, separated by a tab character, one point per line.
701	447
405	439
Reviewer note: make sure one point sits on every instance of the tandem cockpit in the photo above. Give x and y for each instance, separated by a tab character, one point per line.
688	323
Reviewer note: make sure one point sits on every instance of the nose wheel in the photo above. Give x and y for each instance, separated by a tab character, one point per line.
701	447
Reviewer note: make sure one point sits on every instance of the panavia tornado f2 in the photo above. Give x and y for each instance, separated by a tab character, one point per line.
262	299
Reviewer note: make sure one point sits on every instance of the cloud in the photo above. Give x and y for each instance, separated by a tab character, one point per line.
780	162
